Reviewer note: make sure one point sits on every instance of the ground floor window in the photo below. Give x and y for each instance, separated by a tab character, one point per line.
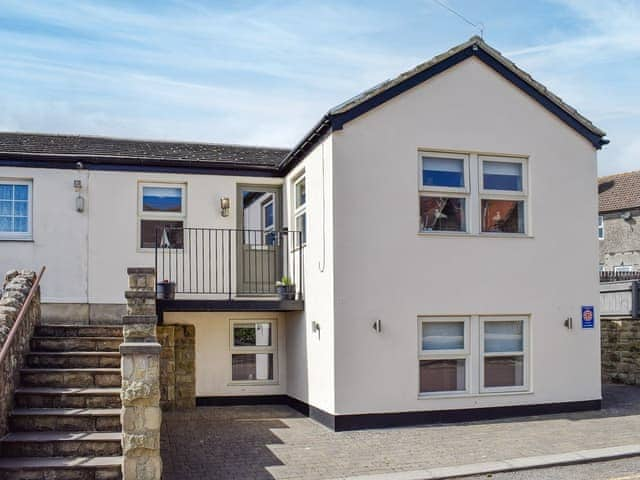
473	354
15	209
503	353
443	354
253	350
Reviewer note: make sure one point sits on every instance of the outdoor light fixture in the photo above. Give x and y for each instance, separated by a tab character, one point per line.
77	186
225	206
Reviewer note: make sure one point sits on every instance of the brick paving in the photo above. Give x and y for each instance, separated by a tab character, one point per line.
275	442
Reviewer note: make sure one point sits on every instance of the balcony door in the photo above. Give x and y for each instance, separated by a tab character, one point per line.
258	241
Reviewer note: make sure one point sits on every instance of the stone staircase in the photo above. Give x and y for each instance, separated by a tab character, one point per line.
66	418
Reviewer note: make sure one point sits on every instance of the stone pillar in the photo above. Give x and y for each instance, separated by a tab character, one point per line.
141	415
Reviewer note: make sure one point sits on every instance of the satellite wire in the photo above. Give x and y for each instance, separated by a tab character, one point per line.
479	25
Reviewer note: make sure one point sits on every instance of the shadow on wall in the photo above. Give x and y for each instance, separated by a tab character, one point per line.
222	442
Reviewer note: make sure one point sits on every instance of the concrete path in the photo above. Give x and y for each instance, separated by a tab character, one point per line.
275	442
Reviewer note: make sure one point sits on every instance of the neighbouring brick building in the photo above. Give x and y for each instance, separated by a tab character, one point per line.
618	229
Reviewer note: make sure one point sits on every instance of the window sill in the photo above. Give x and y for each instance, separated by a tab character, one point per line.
16	239
474	235
257	383
433	396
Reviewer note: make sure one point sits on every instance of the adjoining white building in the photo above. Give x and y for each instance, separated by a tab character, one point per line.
422	224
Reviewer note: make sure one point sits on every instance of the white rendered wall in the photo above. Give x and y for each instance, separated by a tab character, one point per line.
311	354
213	352
114	243
59	234
385	270
87	253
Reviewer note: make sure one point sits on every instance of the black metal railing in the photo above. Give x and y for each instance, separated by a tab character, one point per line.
618	276
228	262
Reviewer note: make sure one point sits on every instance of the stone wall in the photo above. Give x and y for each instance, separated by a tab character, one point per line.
620	351
15	289
621	244
177	366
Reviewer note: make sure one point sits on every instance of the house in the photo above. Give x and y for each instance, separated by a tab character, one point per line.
417	221
619	206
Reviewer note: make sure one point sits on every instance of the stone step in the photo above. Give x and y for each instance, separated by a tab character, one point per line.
78	331
61	468
65	419
43	397
61	444
73	359
75	344
70	377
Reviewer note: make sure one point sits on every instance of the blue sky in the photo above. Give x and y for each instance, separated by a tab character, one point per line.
264	72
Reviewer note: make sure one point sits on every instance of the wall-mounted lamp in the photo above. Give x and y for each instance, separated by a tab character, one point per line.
77	186
626	216
225	206
568	322
377	326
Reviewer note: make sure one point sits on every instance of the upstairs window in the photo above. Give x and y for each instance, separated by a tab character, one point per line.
600	227
300	209
443	192
268	221
161	208
443	172
503	195
15	210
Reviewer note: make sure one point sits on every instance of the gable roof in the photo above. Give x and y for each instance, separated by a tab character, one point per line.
335	118
65	150
619	192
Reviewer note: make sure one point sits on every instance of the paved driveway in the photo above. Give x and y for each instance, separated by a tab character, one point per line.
275	442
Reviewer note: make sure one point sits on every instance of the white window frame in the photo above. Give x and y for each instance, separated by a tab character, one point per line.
272	349
464	354
524	353
509	195
600	227
169	216
267	229
299	210
21	236
463	192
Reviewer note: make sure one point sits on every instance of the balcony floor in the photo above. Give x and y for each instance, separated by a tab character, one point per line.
236	304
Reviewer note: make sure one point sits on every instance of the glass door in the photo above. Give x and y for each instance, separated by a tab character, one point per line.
258	240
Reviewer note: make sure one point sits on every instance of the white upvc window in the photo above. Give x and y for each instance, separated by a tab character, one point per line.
268	221
161	213
16	210
253	351
504	354
444	188
443	355
600	227
503	195
300	209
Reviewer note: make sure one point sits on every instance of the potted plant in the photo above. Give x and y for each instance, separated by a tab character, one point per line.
165	290
286	289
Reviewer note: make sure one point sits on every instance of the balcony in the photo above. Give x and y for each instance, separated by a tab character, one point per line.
213	269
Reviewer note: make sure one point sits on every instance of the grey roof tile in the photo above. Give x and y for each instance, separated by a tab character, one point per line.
619	192
74	147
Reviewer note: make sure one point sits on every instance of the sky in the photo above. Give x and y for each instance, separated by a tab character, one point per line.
263	73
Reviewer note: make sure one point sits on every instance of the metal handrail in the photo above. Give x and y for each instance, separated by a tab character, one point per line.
16	325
